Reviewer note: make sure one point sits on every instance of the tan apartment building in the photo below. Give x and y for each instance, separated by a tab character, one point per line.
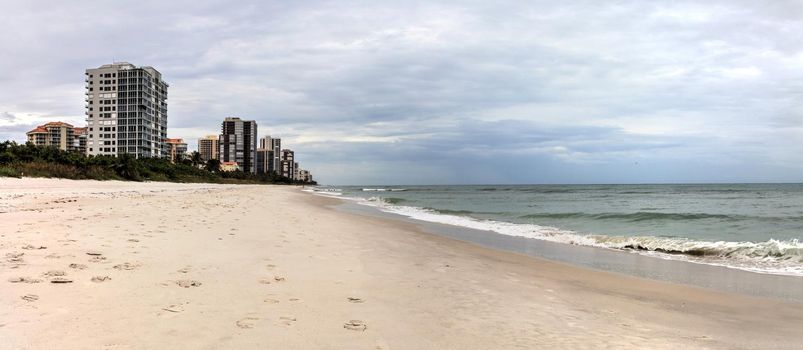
209	147
55	134
176	149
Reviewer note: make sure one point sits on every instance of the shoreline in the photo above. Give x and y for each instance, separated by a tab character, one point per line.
691	273
241	266
746	236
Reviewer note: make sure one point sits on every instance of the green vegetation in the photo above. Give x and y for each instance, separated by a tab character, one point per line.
37	161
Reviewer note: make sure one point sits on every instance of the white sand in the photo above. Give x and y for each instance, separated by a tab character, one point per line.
253	267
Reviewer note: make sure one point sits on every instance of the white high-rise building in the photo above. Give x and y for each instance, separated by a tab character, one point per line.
126	109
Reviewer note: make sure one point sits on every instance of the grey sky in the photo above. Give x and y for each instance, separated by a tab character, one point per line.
445	92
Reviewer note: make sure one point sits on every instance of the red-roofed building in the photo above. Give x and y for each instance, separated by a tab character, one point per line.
176	148
54	134
229	166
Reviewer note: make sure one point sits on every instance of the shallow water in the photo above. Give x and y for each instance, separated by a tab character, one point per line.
756	227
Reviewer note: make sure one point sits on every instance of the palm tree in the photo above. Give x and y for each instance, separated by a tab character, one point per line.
196	158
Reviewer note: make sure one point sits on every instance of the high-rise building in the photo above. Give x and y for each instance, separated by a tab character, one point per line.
269	155
56	134
288	163
176	149
238	143
208	147
276	145
264	160
304	175
264	156
126	111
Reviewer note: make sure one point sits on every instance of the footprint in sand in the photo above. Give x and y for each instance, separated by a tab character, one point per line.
30	297
355	325
99	279
32	247
14	257
247	323
188	283
94	253
271	301
278	278
287	320
54	273
77	266
185	270
24	280
355	300
175	308
97	259
126	266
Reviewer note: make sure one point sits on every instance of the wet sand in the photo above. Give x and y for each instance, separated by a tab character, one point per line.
116	265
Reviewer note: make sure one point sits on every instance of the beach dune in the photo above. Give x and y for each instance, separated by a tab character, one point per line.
120	265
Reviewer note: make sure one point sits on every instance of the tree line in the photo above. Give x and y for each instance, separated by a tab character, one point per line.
18	160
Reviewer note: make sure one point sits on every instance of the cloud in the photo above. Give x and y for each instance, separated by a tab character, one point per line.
472	92
8	117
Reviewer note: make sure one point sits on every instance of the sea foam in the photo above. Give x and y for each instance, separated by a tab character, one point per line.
772	256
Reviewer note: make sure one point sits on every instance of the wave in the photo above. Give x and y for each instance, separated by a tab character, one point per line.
772	256
452	212
633	217
393	200
383	189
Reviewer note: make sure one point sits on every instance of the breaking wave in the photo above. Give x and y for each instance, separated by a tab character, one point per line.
783	257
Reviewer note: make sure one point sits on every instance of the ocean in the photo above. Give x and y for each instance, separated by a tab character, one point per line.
754	227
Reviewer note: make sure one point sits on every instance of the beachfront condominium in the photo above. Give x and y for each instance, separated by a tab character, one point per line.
55	134
288	163
268	155
238	143
126	109
304	175
176	149
208	147
264	157
276	145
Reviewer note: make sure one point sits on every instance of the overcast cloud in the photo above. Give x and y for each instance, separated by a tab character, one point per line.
403	92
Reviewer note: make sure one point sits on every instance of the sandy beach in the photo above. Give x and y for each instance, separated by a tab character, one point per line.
119	265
